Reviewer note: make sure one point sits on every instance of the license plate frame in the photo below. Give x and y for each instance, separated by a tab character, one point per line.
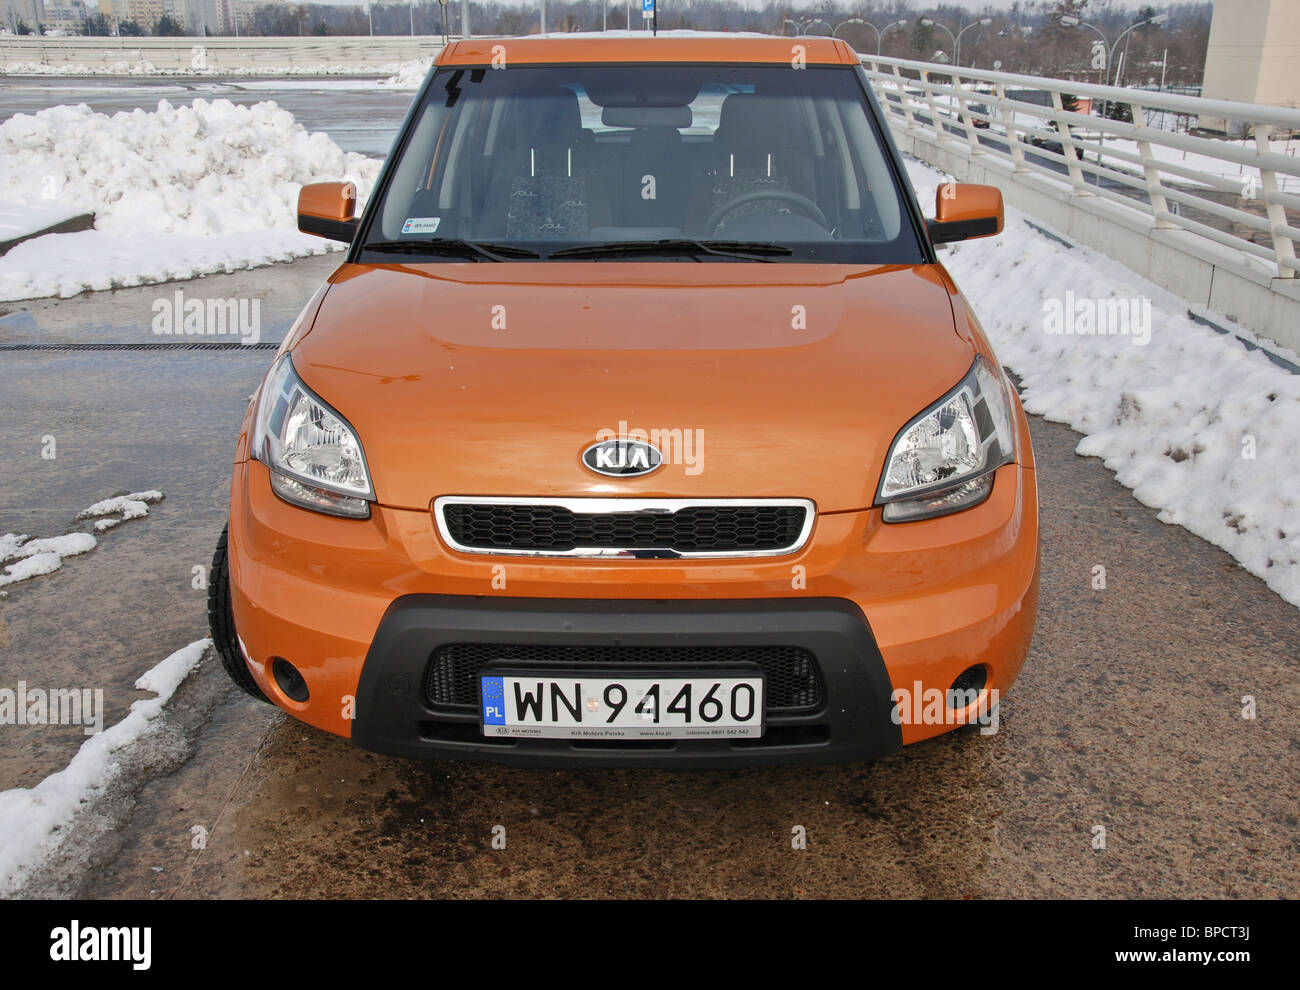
632	680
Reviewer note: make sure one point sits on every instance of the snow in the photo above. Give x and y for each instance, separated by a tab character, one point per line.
32	819
410	76
1197	425
21	219
33	558
178	192
37	557
139	66
133	506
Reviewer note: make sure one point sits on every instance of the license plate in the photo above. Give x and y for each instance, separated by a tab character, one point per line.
697	705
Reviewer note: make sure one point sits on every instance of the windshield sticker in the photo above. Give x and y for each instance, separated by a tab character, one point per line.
421	225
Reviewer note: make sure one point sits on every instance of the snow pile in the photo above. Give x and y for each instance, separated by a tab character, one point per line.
34	820
21	221
133	506
1194	423
35	557
122	67
178	192
410	75
140	66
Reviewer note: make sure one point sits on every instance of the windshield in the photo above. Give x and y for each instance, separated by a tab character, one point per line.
721	162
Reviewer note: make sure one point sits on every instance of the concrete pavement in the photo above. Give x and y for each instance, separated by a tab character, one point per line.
1126	718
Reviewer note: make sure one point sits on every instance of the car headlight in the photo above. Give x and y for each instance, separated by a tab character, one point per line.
943	460
314	456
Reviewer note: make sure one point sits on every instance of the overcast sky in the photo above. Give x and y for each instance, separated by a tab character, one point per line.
973	5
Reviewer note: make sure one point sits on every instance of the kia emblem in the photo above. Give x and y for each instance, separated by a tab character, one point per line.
622	458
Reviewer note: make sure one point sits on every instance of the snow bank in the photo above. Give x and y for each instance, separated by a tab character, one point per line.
177	192
1194	423
21	220
33	821
139	66
410	75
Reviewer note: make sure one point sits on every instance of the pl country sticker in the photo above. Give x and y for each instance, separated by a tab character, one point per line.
421	225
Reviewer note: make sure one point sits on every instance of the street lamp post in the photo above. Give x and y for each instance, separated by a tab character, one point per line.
835	31
931	22
1158	19
982	22
1069	20
895	26
785	21
803	28
880	32
956	38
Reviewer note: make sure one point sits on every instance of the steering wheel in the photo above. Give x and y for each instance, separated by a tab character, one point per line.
805	205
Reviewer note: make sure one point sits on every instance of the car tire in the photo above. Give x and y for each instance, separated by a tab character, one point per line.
221	623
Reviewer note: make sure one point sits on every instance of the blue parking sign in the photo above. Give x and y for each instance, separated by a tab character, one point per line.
647	6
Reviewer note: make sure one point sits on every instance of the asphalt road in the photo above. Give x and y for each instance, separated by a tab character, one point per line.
1127	717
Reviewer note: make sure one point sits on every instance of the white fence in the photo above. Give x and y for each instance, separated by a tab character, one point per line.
1206	218
193	55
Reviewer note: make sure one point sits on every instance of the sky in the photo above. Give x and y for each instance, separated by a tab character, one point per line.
973	5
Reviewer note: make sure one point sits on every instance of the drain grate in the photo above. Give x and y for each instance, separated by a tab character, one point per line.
198	345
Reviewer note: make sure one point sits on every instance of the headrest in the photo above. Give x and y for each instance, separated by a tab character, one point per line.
547	117
749	122
646	117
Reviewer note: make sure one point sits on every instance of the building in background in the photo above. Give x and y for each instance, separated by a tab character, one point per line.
64	15
15	12
1253	55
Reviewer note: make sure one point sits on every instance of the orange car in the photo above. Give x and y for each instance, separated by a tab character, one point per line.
640	426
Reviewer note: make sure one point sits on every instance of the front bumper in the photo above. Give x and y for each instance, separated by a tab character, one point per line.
395	714
358	605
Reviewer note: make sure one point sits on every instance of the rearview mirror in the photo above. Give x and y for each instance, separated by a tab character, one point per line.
328	209
963	210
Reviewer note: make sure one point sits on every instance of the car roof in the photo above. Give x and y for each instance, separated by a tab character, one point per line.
605	47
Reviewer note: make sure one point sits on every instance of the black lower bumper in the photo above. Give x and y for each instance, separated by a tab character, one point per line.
850	722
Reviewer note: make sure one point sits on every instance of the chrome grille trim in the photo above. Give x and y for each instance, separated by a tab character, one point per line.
631	504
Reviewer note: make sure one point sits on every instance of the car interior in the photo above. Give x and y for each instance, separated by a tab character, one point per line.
564	161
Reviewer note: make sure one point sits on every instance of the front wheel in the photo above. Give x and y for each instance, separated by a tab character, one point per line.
221	622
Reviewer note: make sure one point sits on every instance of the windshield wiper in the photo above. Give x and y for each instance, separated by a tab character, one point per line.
743	250
456	246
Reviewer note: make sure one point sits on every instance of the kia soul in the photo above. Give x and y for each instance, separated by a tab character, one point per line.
640	425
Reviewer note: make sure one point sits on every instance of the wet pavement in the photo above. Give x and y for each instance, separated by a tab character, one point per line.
1127	716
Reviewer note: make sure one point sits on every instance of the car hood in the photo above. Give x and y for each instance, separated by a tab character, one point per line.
782	380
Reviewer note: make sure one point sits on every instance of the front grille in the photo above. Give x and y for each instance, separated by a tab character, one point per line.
793	681
541	528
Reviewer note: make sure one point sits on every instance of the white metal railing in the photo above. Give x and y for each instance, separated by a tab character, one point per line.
212	54
1242	189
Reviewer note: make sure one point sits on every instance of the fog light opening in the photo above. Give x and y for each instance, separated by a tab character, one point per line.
289	680
967	689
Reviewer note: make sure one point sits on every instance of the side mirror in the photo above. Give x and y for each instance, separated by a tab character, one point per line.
328	209
963	210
